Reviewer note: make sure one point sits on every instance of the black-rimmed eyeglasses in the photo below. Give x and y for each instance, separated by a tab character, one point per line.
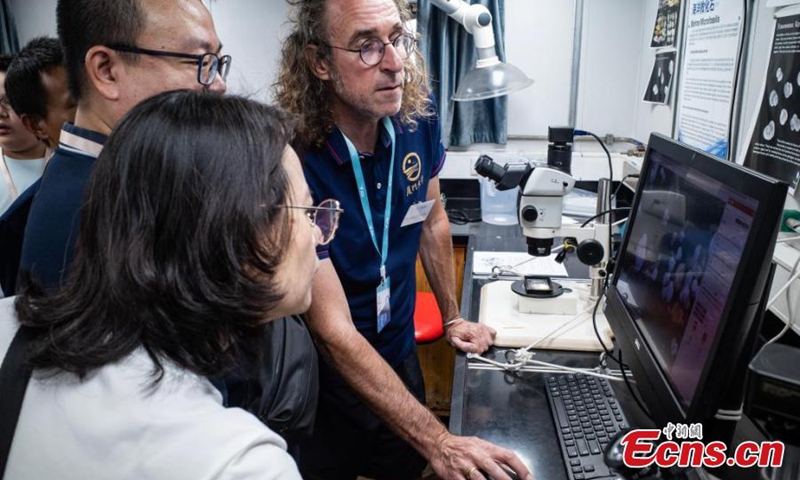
209	65
373	49
325	217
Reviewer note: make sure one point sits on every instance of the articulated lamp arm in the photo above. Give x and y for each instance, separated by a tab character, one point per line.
490	78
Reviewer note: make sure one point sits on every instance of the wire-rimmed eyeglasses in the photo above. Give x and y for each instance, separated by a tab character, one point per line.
5	104
373	49
209	65
325	217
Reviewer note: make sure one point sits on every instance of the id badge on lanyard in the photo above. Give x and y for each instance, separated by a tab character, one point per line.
383	291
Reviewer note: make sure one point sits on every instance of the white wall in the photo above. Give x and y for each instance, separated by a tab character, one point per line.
251	32
33	18
615	60
539	41
610	63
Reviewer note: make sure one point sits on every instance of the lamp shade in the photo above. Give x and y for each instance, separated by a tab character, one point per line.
491	81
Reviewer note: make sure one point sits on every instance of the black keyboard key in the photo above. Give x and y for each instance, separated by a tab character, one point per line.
580	476
569	443
562	415
572	452
588	468
583	449
577	469
594	447
575	462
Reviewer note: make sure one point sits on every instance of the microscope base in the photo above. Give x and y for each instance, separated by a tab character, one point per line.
498	309
564	304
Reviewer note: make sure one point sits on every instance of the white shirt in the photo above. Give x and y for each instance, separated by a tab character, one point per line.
110	426
23	174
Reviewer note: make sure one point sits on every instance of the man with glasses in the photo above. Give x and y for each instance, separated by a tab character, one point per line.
117	54
369	138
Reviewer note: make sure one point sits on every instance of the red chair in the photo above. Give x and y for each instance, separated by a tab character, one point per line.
427	319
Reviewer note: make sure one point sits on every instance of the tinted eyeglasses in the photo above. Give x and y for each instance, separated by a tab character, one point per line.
209	65
373	49
325	217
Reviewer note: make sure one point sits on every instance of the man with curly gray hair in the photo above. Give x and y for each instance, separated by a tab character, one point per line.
368	136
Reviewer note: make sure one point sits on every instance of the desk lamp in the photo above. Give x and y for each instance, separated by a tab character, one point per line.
490	78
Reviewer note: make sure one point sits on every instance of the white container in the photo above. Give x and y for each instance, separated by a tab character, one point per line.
498	208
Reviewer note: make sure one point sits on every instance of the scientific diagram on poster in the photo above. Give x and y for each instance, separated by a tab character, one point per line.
658	87
774	146
665	29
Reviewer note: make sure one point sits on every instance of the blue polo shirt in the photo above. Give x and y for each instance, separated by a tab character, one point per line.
419	157
54	219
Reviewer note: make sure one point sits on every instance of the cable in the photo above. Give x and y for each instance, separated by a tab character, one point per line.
616	190
789	239
594	324
602	144
630	388
783	288
611	210
461	217
790	320
610	180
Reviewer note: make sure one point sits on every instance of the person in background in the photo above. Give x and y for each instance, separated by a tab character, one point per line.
368	136
117	54
22	156
174	279
36	87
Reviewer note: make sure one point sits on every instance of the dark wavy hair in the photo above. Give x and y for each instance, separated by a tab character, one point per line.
24	87
181	232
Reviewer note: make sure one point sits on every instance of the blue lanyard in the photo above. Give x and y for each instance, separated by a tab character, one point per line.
362	193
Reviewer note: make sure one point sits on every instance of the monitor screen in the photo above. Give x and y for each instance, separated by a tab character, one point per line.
687	288
679	265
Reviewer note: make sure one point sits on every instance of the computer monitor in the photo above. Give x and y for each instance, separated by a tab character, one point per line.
690	276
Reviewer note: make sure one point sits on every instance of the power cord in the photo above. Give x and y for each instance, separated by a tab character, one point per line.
610	210
461	217
622	182
610	173
630	389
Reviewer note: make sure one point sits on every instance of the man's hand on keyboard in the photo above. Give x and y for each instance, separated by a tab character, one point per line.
470	458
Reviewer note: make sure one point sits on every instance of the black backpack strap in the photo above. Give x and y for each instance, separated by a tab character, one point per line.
14	377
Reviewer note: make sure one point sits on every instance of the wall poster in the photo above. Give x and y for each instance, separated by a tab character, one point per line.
661	78
712	45
666	27
774	146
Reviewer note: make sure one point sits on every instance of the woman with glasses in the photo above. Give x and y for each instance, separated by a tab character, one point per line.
197	230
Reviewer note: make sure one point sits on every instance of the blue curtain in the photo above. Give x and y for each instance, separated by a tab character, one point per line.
9	43
449	53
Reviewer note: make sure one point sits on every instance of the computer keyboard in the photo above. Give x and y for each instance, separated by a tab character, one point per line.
586	415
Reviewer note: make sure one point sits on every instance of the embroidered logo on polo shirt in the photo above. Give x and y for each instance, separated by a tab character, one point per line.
412	167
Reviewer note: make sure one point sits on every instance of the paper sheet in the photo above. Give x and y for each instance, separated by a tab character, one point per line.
520	262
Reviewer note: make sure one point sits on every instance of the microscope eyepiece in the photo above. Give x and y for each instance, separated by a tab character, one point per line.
486	167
